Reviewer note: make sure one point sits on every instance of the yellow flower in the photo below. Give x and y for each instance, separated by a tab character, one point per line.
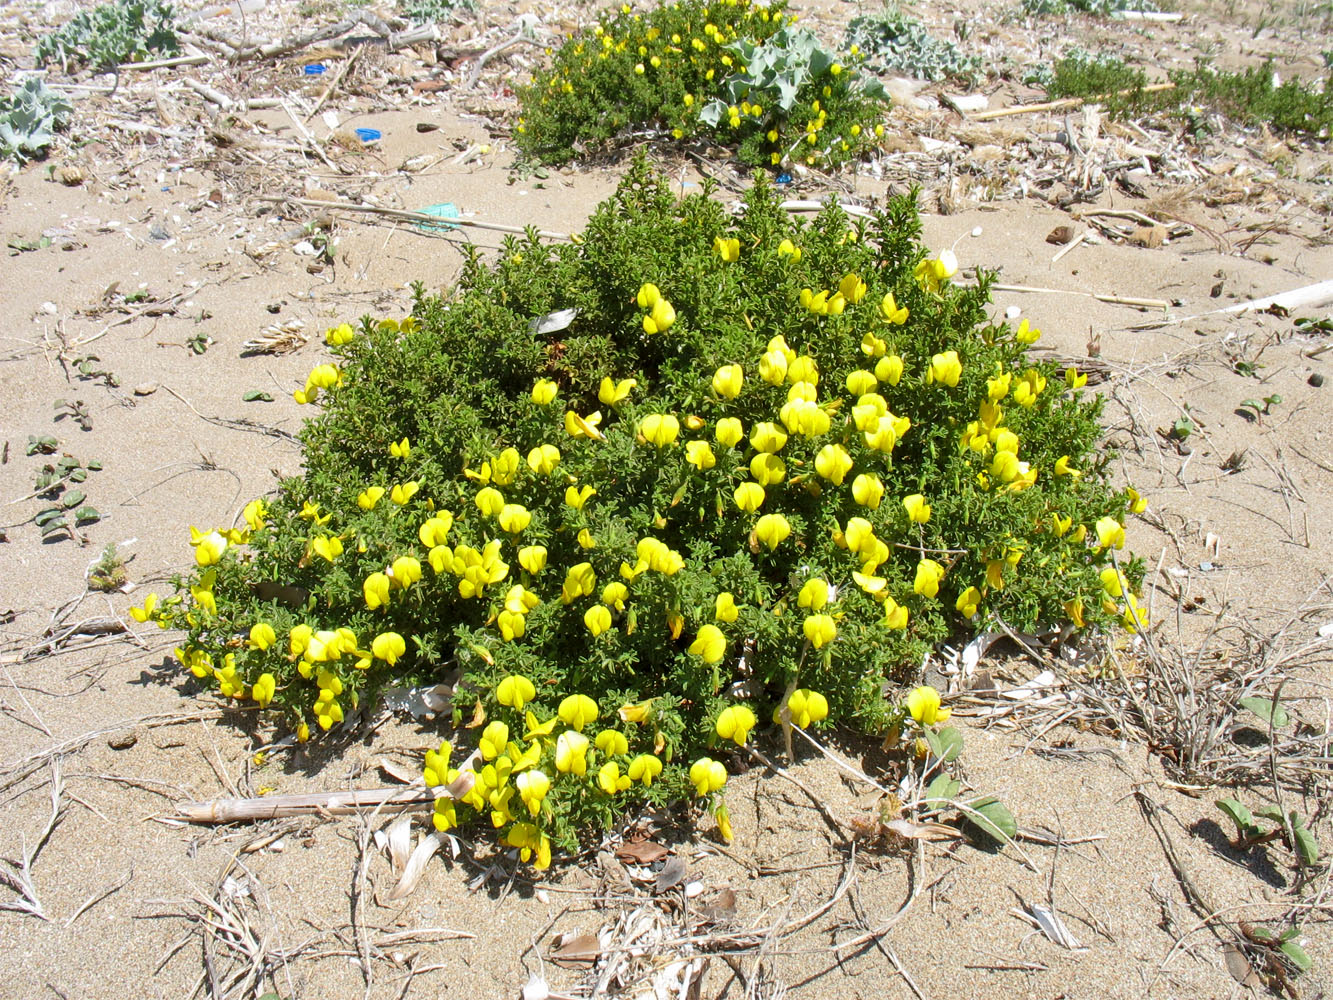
688	100
208	550
660	319
918	511
872	346
767	437
611	392
1073	379
861	382
786	248
578	710
734	723
264	689
820	630
610	780
644	768
1063	468
833	463
580	580
388	646
336	336
968	601
1027	334
659	429
146	612
1113	581
584	427
328	547
577	496
889	369
859	534
929	573
405	571
400	449
707	775
772	530
254	514
924	706
853	289
505	467
402	493
806	707
727	381
1137	504
515	691
700	455
369	497
514	518
612	742
710	644
729	249
867	490
895	615
544	392
814	594
724	608
749	496
767	469
532	788
489	501
729	432
773	367
1110	534
571	753
931	274
598	619
532	558
945	368
376	590
543	459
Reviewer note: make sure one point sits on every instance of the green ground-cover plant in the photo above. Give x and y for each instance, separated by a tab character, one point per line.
30	118
1102	8
892	41
735	72
647	488
110	34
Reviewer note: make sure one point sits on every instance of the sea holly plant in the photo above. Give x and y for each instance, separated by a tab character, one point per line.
641	490
1249	832
110	34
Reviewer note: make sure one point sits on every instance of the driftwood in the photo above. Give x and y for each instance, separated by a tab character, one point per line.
305	804
1063	104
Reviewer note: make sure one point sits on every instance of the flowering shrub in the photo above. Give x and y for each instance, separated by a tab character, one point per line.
761	471
737	72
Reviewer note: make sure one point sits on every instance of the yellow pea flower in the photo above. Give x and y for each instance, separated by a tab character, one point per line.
1027	334
611	392
584	427
727	381
610	780
767	437
773	367
1110	534
544	392
861	382
254	513
400	449
710	644
772	530
724	608
577	496
376	590
369	497
511	624
890	311
532	558
336	336
767	469
532	788
729	249
945	368
402	493
644	768
867	490
814	594
209	548
749	496
918	511
1137	504
405	571
661	318
543	459
388	646
805	707
859	534
578	710
895	615
889	369
707	775
659	429
514	518
929	573
146	612
489	501
1074	379
515	691
263	690
700	455
597	619
820	630
571	753
924	706
734	723
968	601
852	288
729	432
786	248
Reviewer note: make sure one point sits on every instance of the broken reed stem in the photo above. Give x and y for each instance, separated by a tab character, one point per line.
1066	102
434	221
343	803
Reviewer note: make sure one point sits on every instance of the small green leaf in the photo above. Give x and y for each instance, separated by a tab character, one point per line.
1307	848
991	817
1267	710
47	515
94	466
1241	816
1261	933
941	791
1297	955
86	515
1270	813
948	743
51	527
77	475
72	499
257	396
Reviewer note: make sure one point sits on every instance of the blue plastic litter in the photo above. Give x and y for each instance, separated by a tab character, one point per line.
784	178
314	69
444	210
368	134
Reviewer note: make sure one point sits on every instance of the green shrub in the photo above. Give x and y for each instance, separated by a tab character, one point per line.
677	475
111	34
30	118
891	41
1252	97
735	72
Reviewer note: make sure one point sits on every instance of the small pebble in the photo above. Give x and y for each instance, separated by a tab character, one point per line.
1013	312
122	741
693	889
1316	380
145	388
